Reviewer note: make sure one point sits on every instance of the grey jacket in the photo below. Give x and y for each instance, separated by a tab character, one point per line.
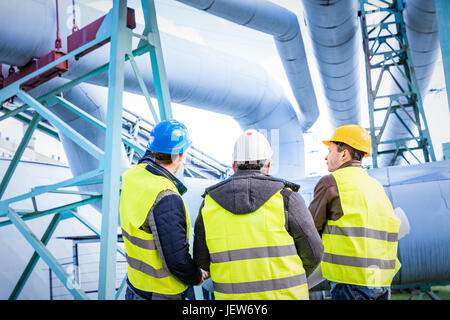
245	192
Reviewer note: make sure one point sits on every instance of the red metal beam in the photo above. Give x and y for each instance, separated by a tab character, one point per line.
34	65
89	32
74	41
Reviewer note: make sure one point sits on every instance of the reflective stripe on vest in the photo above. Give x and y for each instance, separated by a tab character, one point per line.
361	232
252	255
260	286
146	269
361	246
144	244
358	262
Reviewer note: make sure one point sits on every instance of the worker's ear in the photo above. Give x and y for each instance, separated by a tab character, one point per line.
267	169
183	157
343	155
178	158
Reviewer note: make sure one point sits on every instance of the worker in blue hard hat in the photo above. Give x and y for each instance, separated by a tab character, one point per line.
154	220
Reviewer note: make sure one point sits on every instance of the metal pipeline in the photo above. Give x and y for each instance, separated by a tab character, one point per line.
336	41
283	25
423	192
197	76
333	28
92	100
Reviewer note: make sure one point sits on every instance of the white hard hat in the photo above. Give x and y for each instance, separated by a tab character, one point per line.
252	146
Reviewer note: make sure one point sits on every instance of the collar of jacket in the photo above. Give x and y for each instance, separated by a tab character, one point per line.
350	163
246	191
155	168
255	174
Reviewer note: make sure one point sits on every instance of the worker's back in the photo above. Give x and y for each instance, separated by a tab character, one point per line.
251	252
146	270
361	246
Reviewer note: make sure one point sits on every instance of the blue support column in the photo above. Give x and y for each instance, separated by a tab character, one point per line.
156	57
120	45
19	152
145	92
443	22
34	259
61	125
45	254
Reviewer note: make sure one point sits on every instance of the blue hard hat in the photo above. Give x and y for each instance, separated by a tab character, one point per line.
170	137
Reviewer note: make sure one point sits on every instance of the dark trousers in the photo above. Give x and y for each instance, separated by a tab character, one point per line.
343	291
132	295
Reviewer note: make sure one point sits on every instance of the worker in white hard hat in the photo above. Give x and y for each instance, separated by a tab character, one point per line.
254	233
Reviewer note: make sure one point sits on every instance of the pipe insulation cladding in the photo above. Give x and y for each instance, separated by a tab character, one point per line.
92	100
423	192
336	37
336	40
282	24
198	76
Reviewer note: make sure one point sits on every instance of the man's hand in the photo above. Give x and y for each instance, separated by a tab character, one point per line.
205	275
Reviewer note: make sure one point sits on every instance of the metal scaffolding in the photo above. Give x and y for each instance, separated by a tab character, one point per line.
114	29
388	62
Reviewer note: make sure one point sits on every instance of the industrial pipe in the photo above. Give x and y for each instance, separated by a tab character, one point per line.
282	24
197	76
333	28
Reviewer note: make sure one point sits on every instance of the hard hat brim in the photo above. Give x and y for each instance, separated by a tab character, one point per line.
327	143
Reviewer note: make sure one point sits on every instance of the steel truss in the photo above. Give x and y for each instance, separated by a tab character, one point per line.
113	28
389	63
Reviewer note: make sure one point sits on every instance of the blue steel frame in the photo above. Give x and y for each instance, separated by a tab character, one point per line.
443	22
109	165
386	49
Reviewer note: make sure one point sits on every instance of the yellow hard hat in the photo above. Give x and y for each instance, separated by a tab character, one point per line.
353	135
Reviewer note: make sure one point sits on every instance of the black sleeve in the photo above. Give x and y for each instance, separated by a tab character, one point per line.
201	252
169	229
300	225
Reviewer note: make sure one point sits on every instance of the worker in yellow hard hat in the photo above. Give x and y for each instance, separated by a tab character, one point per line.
254	232
356	220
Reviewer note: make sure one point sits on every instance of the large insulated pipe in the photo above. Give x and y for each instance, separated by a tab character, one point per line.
423	192
333	27
92	100
197	76
282	24
423	39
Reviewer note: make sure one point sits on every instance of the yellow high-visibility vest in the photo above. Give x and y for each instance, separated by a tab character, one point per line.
252	255
360	248
146	270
